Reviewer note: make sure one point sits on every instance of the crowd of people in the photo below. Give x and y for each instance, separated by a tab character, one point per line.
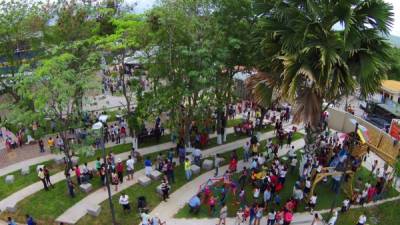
266	175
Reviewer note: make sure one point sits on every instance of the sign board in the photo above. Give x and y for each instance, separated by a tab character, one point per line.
394	130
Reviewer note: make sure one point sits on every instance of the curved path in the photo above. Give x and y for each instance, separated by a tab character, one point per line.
73	214
179	198
12	200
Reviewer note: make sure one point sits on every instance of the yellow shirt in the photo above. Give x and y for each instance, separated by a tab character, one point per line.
187	165
41	174
50	142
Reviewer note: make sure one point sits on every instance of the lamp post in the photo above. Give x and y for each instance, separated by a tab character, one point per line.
100	127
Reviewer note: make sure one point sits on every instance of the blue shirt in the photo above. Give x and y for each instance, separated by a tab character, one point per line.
30	221
267	195
194	202
147	162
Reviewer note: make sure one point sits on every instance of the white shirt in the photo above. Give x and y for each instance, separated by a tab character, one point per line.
308	184
313	199
124	199
197	153
271	215
294	162
362	219
145	218
282	174
246	147
256	193
130	164
346	203
332	220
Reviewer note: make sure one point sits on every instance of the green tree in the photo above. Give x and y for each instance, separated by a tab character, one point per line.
183	69
53	88
297	39
21	28
394	72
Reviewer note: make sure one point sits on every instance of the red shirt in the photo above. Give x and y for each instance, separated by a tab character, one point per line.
78	172
120	168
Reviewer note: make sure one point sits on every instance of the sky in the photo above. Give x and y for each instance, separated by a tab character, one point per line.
143	5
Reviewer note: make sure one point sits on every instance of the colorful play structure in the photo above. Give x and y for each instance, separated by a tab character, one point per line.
371	139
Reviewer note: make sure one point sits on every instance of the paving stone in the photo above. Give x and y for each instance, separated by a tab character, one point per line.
94	210
11	208
59	159
144	180
208	164
195	169
155	174
159	191
25	170
74	160
220	160
9	179
86	187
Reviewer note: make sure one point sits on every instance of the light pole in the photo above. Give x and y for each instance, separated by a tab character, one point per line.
100	127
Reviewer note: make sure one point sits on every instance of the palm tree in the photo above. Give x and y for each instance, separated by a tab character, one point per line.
316	62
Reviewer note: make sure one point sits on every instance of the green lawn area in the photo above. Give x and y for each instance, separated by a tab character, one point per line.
23	181
386	213
233	122
134	192
59	200
323	190
47	212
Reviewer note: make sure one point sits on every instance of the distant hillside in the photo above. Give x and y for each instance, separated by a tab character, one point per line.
395	40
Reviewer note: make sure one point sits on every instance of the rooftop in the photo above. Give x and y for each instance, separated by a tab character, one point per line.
391	86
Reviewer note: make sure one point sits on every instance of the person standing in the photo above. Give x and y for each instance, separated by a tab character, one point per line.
130	166
216	164
47	176
41	146
120	171
114	179
259	214
316	219
10	221
60	143
188	171
148	166
362	220
165	190
50	143
223	213
43	178
30	220
271	217
312	203
287	218
78	174
124	201
70	186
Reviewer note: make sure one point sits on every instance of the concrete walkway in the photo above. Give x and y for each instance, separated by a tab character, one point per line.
13	199
73	214
179	198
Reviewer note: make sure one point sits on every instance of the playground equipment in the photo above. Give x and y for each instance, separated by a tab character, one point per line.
371	139
377	141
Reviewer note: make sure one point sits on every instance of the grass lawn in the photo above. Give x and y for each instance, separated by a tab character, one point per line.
152	198
233	122
23	181
48	212
54	202
323	191
386	213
